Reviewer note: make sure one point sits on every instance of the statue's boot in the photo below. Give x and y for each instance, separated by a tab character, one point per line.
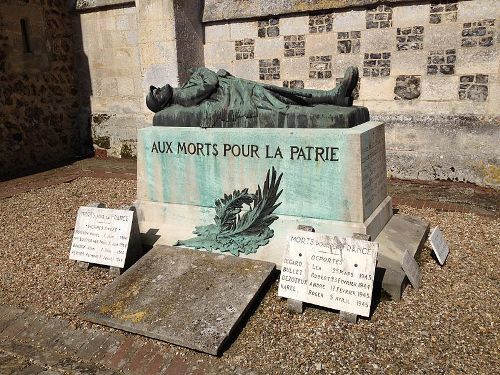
340	95
347	86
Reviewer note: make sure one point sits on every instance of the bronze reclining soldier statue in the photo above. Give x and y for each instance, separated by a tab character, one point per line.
210	99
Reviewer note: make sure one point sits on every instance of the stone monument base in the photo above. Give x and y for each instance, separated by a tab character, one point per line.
173	222
334	180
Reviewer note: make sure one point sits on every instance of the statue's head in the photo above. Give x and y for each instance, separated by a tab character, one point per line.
159	98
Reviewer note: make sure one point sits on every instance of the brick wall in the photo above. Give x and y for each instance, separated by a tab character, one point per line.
39	100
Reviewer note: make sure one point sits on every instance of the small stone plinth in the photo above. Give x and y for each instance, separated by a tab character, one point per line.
185	297
402	233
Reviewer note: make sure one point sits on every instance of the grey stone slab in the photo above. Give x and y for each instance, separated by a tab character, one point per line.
4	310
400	234
31	370
8	317
412	270
186	297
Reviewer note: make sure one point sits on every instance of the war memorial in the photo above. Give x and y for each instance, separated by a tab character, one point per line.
324	167
257	231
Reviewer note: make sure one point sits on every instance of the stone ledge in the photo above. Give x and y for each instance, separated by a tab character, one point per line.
219	10
94	4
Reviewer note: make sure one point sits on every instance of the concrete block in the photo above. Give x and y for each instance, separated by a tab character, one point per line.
321	44
161	30
409	62
217	33
442	36
378	40
410	15
269	48
471	11
219	52
247	69
436	88
242	30
125	86
477	60
343	60
294	68
295	25
350	20
379	88
109	87
164	207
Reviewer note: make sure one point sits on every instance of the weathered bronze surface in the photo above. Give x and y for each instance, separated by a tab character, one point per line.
210	99
240	234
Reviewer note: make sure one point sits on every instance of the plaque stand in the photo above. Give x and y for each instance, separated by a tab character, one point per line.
134	250
297	306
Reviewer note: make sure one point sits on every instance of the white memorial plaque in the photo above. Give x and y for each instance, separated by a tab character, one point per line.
329	271
101	236
439	245
412	270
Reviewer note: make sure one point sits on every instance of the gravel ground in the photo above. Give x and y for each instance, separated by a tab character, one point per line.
448	326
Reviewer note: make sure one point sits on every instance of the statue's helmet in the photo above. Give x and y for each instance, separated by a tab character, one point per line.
158	98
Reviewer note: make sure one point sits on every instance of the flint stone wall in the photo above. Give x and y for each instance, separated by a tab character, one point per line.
430	71
39	102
